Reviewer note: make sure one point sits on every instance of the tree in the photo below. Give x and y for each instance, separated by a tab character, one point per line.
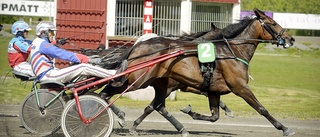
291	6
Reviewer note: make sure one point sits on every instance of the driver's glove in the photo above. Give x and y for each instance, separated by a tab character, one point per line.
62	41
95	59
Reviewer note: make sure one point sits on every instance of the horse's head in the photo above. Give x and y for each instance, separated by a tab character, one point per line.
273	31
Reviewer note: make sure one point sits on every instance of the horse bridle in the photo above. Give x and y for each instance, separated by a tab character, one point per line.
275	35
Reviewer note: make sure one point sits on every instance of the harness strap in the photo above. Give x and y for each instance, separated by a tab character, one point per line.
235	57
229	47
243	61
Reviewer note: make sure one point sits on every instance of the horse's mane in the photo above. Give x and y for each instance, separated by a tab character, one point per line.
234	30
192	36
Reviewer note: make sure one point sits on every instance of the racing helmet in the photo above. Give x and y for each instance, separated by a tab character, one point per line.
19	26
45	26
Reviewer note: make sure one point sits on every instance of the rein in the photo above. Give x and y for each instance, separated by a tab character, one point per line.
220	40
148	54
277	38
224	39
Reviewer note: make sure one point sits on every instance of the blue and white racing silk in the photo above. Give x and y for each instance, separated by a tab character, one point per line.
43	53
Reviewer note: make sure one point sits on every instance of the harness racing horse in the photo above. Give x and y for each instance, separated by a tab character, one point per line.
174	85
110	60
230	73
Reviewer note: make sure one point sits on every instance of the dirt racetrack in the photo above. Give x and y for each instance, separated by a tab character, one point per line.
156	126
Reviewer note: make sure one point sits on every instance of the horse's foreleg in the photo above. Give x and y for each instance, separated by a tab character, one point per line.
249	97
214	107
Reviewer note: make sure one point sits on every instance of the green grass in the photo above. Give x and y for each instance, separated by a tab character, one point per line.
4	41
287	85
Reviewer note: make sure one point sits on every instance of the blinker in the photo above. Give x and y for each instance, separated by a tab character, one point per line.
281	41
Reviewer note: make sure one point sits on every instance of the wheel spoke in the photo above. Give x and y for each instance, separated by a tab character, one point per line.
35	121
90	106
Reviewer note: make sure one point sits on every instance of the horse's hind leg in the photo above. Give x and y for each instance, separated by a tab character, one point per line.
249	97
114	108
196	91
173	121
148	110
159	105
226	109
121	115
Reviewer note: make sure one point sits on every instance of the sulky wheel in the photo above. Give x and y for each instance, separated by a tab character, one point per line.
72	126
40	120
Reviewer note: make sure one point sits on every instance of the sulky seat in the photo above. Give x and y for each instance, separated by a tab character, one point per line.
23	76
51	84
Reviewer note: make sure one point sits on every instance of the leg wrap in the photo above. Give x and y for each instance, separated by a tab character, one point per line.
171	119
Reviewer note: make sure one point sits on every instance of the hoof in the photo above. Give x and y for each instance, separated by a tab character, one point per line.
122	120
186	110
229	114
288	132
184	133
133	133
121	123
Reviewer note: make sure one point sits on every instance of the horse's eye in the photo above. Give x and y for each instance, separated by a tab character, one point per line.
274	24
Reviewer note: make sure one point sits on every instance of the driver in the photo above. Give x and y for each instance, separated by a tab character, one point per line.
19	48
43	52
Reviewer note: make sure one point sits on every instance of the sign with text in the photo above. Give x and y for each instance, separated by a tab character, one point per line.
147	17
27	8
298	21
251	14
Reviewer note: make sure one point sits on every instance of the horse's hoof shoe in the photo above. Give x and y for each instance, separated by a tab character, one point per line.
184	133
133	133
229	114
288	132
121	123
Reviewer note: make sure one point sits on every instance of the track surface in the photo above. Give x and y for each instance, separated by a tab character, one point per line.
156	126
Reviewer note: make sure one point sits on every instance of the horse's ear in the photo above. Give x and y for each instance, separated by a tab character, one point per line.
213	27
260	14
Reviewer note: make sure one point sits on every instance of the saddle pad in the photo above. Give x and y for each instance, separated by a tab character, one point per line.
206	52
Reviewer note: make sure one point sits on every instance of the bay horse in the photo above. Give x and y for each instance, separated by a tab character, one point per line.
174	85
110	60
230	73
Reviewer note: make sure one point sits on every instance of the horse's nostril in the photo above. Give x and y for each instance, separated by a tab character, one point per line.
292	40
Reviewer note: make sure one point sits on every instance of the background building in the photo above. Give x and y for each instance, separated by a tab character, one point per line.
88	24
